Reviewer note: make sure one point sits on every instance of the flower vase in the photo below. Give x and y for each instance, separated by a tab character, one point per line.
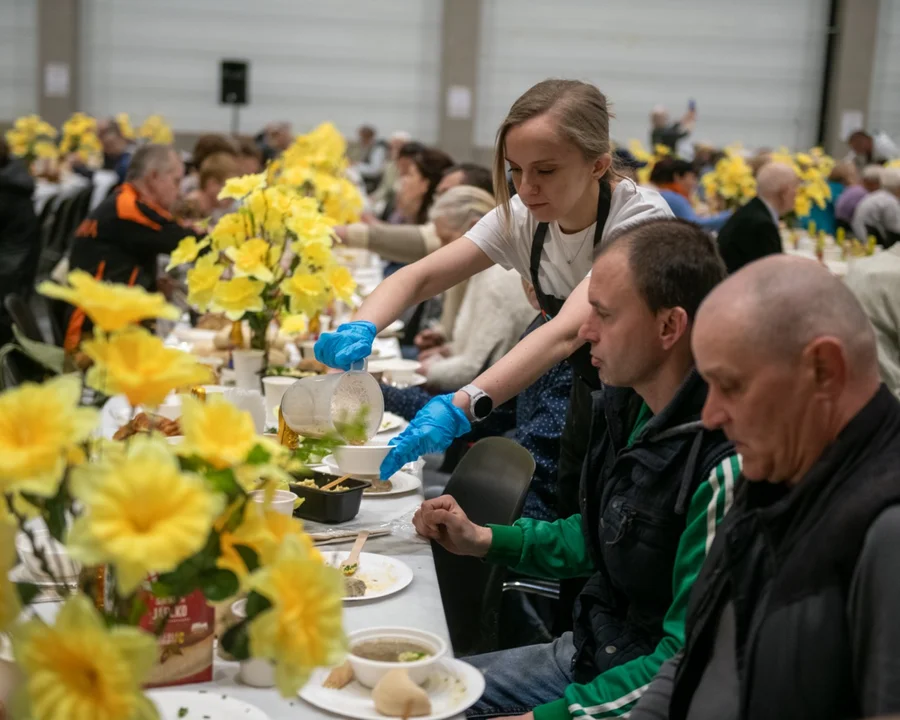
248	366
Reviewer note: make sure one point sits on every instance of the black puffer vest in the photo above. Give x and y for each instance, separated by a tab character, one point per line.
633	503
786	559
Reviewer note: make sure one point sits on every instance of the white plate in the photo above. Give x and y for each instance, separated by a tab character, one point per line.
390	422
203	703
455	687
402	482
392	330
392	365
382	575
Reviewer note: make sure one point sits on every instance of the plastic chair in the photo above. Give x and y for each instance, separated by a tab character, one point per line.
490	484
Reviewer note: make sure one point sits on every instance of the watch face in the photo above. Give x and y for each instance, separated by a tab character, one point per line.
483	407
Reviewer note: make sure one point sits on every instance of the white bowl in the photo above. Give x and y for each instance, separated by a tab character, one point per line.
369	672
61	565
360	459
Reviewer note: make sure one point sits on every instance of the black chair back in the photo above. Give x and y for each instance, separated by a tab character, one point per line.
490	484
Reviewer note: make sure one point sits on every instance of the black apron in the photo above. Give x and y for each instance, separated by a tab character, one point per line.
573	442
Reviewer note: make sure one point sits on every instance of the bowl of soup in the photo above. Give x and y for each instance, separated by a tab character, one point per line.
377	651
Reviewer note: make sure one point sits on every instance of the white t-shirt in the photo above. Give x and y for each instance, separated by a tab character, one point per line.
566	259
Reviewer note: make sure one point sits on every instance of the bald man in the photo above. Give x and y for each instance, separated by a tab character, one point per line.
794	614
752	232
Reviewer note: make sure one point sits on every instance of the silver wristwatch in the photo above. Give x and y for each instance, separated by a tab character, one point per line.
480	403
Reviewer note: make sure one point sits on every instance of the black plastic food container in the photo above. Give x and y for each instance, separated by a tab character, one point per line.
327	506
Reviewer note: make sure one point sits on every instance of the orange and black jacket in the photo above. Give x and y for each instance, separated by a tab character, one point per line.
121	239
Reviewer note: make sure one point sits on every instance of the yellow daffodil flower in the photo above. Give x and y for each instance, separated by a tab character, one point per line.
135	363
262	530
46	150
187	251
238	296
156	130
308	293
79	668
303	628
9	597
39	426
314	255
202	280
216	431
251	260
239	187
341	282
230	231
143	514
294	324
110	306
310	230
124	123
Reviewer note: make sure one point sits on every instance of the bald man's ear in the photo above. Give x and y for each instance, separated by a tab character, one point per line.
674	324
828	360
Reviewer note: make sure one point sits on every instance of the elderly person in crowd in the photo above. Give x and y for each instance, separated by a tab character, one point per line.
275	138
207	145
122	237
794	613
654	486
249	156
871	148
752	232
849	200
204	202
878	214
875	280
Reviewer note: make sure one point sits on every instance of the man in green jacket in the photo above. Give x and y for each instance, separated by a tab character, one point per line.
654	487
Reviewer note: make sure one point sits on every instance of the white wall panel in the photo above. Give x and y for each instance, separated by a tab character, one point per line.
347	61
754	68
18	58
884	96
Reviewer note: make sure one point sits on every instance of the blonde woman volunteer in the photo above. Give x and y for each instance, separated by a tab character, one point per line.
556	141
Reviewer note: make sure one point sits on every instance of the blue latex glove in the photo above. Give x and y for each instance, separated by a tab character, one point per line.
348	344
432	430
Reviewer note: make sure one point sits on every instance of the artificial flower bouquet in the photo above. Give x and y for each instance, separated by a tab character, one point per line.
79	138
32	138
148	520
731	180
269	259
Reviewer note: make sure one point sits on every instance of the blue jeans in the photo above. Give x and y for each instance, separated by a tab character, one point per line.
519	680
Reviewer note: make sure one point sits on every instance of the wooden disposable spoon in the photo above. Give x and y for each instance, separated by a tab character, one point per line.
351	564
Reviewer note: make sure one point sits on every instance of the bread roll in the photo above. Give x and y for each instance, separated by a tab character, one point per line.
396	695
